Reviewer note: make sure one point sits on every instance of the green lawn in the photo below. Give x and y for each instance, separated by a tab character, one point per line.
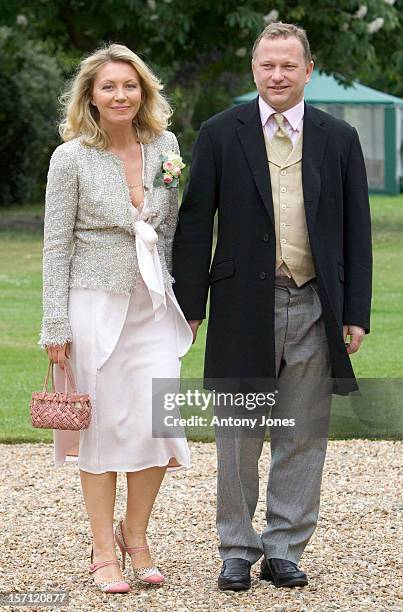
23	364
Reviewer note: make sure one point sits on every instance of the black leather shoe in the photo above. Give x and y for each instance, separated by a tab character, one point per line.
282	573
235	575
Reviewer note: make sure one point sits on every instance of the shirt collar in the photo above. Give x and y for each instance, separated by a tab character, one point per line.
293	115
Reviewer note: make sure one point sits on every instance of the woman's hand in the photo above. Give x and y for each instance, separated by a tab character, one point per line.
59	353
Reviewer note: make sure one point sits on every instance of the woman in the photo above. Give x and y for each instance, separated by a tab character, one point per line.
108	301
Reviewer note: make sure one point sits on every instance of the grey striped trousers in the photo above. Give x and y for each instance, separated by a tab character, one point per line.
293	491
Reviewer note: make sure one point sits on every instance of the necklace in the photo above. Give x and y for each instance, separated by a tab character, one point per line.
134	186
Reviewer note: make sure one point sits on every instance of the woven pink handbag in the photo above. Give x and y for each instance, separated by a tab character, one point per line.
54	410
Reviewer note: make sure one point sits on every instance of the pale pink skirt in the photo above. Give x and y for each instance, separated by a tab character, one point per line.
117	349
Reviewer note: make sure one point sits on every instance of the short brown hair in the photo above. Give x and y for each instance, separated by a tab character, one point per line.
285	30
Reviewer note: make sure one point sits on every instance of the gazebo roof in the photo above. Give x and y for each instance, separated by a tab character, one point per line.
324	89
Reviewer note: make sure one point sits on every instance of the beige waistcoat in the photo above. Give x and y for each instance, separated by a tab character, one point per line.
293	250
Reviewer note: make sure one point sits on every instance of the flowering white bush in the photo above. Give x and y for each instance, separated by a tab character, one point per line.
241	52
361	12
272	16
21	20
375	25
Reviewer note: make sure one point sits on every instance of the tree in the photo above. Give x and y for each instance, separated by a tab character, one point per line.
201	49
30	82
386	72
186	36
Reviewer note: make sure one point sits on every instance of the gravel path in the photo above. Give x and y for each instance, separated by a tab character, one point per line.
352	560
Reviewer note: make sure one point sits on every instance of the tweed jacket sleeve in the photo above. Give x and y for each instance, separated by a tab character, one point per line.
60	213
172	217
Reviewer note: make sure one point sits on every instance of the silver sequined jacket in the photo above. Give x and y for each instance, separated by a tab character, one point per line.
89	238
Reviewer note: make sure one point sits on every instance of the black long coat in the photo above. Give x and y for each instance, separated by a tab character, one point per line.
230	173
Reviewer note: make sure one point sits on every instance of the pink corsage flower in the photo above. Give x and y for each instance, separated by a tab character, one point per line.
171	169
168	179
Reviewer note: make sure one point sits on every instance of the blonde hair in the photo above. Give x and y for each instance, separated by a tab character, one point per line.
285	30
81	118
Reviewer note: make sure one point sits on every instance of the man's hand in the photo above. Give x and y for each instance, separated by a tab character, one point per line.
356	334
58	353
194	326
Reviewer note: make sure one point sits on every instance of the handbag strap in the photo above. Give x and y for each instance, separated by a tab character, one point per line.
68	377
45	384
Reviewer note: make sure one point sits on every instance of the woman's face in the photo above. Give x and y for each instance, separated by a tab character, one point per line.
116	93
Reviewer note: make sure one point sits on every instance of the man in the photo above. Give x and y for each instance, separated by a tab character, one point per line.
290	283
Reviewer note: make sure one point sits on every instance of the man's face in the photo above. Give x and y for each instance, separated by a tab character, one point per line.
280	71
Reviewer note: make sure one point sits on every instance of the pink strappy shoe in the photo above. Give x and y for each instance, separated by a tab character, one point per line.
149	575
116	586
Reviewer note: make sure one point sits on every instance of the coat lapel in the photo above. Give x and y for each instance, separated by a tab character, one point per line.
315	138
251	137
